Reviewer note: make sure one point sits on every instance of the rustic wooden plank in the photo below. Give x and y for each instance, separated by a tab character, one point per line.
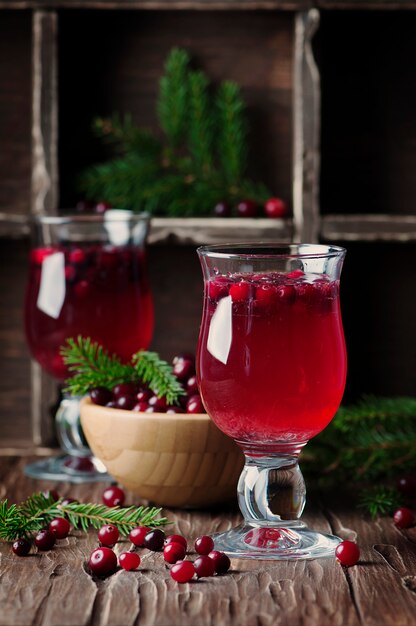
359	227
287	5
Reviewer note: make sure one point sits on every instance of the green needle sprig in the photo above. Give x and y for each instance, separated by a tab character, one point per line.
38	510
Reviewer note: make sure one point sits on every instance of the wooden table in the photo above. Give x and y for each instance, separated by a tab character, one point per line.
54	588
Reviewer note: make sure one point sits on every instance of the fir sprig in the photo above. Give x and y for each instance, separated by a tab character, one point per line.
379	500
157	374
38	510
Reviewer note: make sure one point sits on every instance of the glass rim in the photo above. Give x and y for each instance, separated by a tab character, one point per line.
94	218
247	250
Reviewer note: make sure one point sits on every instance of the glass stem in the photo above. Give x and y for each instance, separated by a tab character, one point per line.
271	490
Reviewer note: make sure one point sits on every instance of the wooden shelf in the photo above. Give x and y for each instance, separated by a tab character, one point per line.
206	5
394	228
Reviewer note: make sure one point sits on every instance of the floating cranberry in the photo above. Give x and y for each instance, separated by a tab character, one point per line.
240	292
296	274
173	552
247	208
82	288
70	273
129	560
101	395
158	404
222	209
221	561
184	369
286	294
275	207
60	527
217	289
204	566
21	547
126	402
204	544
138	534
77	256
194	405
404	517
266	295
154	540
113	496
183	571
176	539
103	562
45	540
192	386
407	486
347	553
108	535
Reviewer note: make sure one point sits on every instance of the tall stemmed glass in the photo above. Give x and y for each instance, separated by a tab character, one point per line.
271	367
88	276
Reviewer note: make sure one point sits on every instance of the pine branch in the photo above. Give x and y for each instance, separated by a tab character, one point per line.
126	137
173	95
201	123
231	132
157	374
379	500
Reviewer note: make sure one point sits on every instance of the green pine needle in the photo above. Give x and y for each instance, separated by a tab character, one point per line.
232	132
172	103
379	500
158	375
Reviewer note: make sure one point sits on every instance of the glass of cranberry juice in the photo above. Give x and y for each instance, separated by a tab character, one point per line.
87	276
271	367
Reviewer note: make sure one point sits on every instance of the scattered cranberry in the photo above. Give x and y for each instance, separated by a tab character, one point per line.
108	535
194	405
21	547
204	544
222	209
51	493
347	553
407	486
138	534
129	560
176	539
103	562
66	501
45	540
183	571
113	496
184	369
247	208
101	395
221	561
204	566
60	527
154	540
240	292
403	517
173	552
275	207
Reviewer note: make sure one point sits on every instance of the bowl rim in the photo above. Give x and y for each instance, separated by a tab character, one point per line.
87	403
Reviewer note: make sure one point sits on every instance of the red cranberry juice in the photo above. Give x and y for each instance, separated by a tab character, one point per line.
271	358
103	293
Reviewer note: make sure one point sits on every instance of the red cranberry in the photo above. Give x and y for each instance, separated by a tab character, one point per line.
347	553
103	562
108	535
129	560
240	292
21	547
266	295
138	534
126	402
204	544
82	288
60	527
113	496
173	552
286	293
66	501
176	539
204	566
70	273
296	274
275	207
101	395
51	493
217	288
84	206
80	463
45	540
140	407
407	486
112	404
184	369
183	356
158	404
124	389
222	209
221	561
154	540
247	208
194	405
77	256
183	571
403	518
143	395
102	207
173	409
192	386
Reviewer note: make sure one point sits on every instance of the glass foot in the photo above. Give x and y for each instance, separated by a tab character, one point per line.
69	469
275	543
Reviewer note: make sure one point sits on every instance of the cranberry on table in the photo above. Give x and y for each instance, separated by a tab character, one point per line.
108	535
204	544
176	539
45	540
222	209
60	527
222	562
183	571
68	500
347	553
194	405
51	493
103	562
247	208
154	540
21	547
113	496
404	517
101	395
138	534
129	560
204	566
275	207
173	552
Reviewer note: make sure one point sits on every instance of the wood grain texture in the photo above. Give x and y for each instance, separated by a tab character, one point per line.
288	5
54	588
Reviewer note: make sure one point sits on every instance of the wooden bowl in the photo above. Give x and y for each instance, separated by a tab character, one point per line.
174	460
